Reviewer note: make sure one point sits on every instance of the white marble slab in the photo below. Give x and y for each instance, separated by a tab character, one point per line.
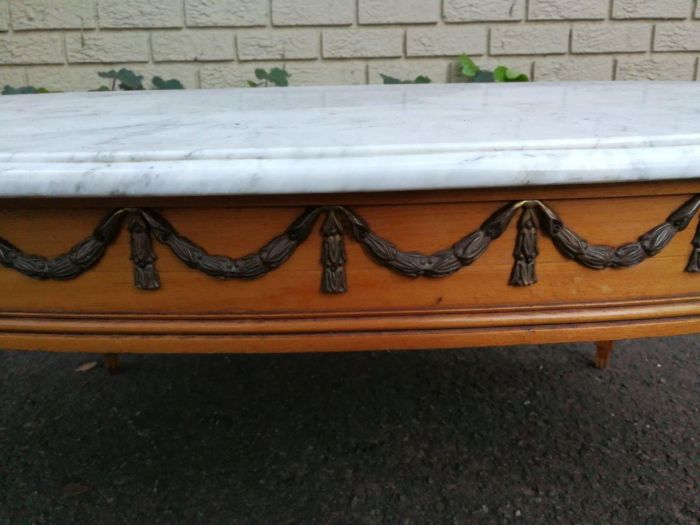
347	139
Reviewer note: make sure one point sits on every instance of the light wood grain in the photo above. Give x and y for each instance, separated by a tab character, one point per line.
102	311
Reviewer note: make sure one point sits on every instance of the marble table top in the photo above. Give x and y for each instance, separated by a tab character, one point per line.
347	139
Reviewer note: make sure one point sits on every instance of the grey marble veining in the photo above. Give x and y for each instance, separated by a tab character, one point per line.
347	139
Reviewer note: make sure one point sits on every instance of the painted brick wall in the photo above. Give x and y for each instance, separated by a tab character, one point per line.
61	44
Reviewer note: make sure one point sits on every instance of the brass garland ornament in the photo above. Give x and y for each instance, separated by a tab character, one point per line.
79	259
145	225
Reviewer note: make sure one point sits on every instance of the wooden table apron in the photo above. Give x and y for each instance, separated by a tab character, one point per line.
508	267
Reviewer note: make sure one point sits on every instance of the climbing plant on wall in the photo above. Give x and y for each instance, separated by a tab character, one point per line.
275	77
123	79
473	73
127	80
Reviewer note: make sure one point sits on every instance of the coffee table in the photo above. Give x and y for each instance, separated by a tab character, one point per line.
349	218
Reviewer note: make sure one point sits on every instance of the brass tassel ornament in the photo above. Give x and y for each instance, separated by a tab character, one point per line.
526	249
142	254
333	257
694	262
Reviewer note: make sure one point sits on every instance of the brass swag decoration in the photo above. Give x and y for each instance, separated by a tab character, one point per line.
145	225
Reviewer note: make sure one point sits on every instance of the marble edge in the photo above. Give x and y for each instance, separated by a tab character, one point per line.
341	175
350	152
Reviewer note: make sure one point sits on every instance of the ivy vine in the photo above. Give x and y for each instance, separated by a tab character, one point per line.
127	80
473	73
123	80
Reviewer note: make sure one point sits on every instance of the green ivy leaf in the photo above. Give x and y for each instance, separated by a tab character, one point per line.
513	75
499	73
159	83
467	66
422	79
484	76
389	80
128	80
279	77
24	90
506	74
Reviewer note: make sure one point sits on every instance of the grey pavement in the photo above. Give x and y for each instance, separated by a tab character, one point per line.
528	434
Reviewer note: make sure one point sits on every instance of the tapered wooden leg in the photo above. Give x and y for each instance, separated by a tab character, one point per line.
603	352
112	363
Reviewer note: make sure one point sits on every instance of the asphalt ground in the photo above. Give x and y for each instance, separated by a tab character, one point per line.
531	435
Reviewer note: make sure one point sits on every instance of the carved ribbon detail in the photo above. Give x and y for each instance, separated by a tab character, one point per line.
145	225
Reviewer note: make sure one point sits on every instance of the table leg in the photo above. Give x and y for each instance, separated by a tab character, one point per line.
603	352
111	363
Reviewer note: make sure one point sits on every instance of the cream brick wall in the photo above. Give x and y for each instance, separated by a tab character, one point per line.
62	44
